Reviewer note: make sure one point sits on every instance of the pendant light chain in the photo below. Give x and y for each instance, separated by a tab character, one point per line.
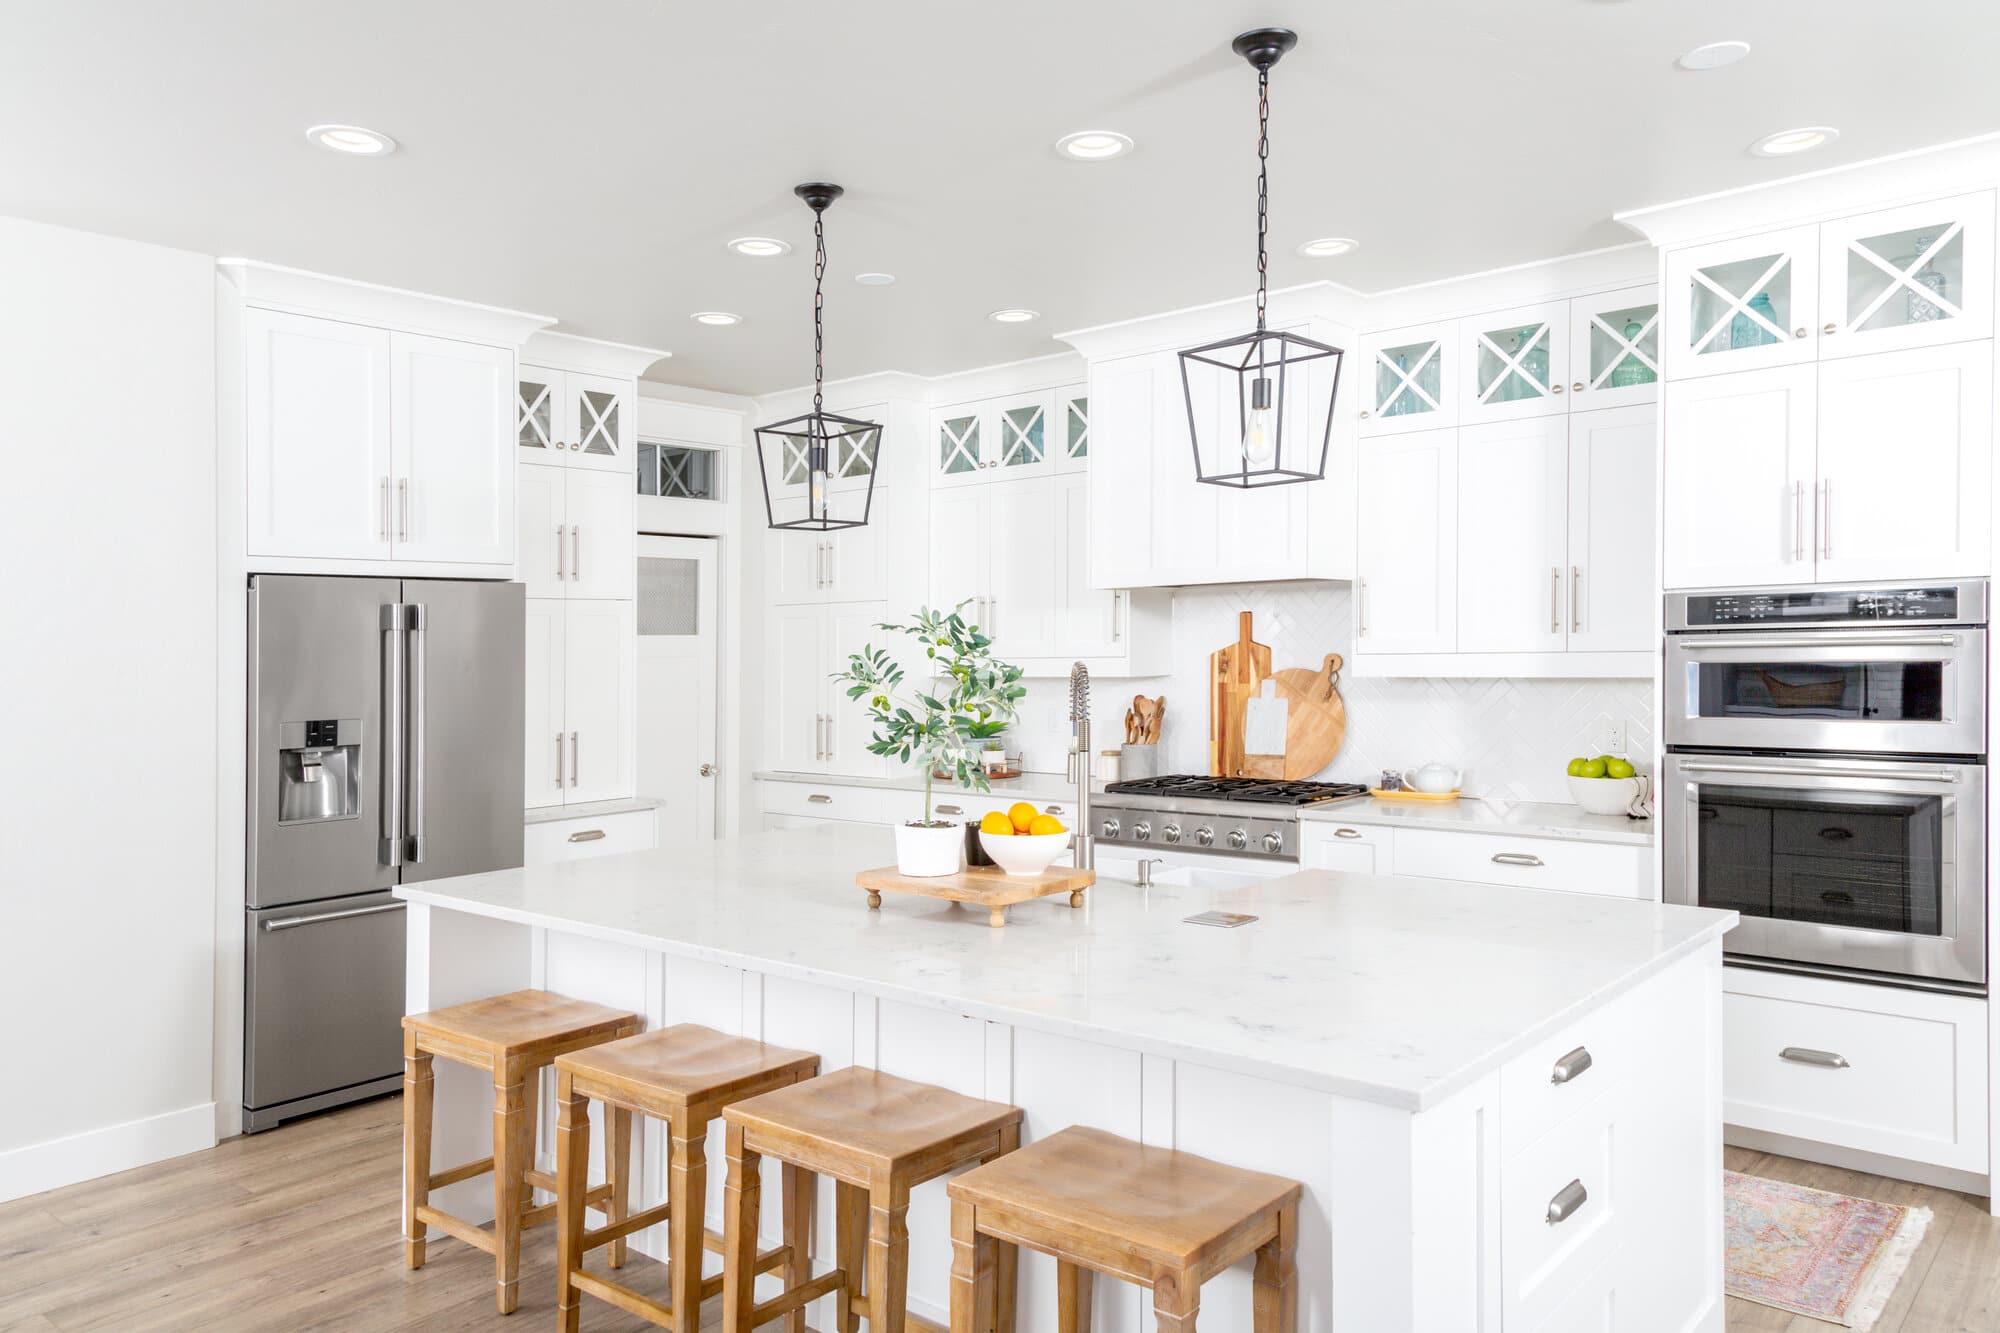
1263	185
819	309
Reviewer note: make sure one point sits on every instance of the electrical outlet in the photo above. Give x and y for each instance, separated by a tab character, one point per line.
1607	735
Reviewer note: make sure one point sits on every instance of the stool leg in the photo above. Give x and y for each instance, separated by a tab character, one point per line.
618	1170
511	1147
972	1271
739	1237
1006	1263
1074	1288
799	1191
1277	1286
572	1182
888	1257
1176	1302
687	1224
418	1089
850	1232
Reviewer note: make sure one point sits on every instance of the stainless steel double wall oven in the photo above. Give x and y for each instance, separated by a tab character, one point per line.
1826	775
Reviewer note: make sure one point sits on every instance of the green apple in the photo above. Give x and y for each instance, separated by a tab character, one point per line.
1576	767
1592	768
1618	768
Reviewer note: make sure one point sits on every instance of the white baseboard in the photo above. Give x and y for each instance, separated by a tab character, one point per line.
1854	1159
99	1152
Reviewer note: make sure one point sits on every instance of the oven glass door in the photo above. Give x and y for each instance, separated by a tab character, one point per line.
1871	866
1886	691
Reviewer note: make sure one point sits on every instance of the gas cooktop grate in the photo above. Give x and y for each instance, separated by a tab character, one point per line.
1256	790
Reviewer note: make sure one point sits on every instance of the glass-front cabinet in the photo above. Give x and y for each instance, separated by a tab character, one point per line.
1022	435
1912	276
958	445
1614	344
570	417
1743	304
1073	411
1515	362
1410	379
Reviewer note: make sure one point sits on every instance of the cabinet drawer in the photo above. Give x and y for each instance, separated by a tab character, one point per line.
1562	1073
827	800
575	839
1352	847
1530	863
1593	1306
1569	1173
971	804
1866	1067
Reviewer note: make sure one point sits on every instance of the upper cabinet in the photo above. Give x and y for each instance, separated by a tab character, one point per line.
1024	435
1410	377
1614	349
1514	363
1742	304
577	419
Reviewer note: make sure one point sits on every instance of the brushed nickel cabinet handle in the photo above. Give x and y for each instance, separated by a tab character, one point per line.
575	764
1576	599
385	509
587	835
402	509
819	798
559	759
1346	833
560	575
949	809
1826	519
1566	1201
293	922
1365	414
1360	608
1800	332
1577	387
1831	329
1117	605
1516	859
575	552
1555	388
1798	520
1052	809
1806	1055
1555	599
1570	1066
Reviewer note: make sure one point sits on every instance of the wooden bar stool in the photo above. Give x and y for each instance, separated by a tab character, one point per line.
683	1076
878	1137
1166	1220
513	1037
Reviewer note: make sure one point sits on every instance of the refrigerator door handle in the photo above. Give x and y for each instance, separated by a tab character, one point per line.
292	922
418	622
391	844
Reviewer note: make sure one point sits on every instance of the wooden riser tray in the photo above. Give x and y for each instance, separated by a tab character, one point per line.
980	886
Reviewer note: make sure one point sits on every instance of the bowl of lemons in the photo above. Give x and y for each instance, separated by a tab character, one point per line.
1605	785
1023	840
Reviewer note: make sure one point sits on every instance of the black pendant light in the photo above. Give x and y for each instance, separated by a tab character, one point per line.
1260	405
798	458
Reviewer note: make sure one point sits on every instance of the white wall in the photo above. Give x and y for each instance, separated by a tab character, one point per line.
107	704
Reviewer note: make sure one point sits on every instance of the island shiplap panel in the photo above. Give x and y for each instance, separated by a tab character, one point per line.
948	1049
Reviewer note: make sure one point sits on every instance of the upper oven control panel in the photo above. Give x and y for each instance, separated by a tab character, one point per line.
1943	603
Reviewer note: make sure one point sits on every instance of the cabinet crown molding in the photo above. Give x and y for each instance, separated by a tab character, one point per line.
275	287
1314	301
569	351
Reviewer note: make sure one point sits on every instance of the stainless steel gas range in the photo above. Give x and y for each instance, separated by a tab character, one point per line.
1246	825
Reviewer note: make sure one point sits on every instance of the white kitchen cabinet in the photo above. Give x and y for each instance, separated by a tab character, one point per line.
1613	869
811	725
1024	577
1093	624
1750	303
581	701
1739	479
576	418
1914	276
587	836
1019	435
1612	606
1904	455
844	565
541	549
1357	848
1410	377
454	480
1614	349
1406	565
1512	536
1071	446
1514	363
577	536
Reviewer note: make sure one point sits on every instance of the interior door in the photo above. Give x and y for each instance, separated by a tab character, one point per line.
541	545
545	743
1904	463
602	530
599	698
1612	608
1513	482
677	685
1739	479
1406	564
453	418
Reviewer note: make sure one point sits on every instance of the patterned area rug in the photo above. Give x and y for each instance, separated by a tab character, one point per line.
1830	1256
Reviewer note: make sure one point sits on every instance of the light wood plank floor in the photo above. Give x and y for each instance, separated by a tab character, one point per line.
297	1230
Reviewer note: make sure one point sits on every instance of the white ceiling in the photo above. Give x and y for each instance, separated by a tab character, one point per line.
588	159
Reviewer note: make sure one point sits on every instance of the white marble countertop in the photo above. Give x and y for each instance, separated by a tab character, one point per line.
624	805
1029	786
1525	819
1396	991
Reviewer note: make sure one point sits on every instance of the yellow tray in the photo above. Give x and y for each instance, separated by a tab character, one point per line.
1420	796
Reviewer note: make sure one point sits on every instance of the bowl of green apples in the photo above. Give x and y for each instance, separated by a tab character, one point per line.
1605	785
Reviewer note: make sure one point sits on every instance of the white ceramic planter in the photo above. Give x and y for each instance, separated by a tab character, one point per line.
924	852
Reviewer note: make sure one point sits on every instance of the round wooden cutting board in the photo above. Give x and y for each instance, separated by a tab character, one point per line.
1317	720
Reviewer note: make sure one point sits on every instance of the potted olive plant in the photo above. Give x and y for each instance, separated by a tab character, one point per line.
941	724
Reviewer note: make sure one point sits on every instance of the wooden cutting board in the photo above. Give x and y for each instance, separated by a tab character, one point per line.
1235	674
1317	723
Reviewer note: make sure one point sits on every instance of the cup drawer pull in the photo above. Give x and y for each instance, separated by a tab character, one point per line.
1567	1200
1346	833
587	835
1806	1055
1516	859
950	810
1570	1065
820	798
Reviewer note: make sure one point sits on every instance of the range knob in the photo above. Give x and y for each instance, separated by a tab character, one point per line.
1204	835
1238	839
1172	833
1142	830
1109	828
1274	842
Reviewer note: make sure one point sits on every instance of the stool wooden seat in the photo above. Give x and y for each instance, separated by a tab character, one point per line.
512	1037
878	1137
683	1076
1164	1219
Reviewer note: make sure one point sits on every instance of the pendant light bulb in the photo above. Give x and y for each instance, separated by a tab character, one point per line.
1260	432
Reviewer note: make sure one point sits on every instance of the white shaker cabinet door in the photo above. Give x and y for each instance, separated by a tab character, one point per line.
1905	453
599	698
1024	572
959	548
1739	479
602	534
454	444
541	550
1406	576
795	717
1512	521
318	462
545	745
1612	608
1087	619
849	629
1122	407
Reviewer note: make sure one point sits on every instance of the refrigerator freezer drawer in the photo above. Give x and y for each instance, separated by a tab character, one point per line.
324	989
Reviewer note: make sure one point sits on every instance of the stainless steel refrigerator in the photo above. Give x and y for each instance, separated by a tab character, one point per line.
385	749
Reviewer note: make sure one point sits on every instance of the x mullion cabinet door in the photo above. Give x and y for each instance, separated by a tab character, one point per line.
1914	276
1745	304
1070	440
958	447
1614	349
539	394
1410	379
1025	435
1514	363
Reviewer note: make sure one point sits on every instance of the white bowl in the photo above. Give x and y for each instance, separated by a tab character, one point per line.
1024	853
1603	796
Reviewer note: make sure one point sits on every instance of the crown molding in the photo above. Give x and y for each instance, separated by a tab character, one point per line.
275	287
569	351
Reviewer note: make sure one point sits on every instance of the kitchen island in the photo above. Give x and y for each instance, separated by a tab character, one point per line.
1447	1067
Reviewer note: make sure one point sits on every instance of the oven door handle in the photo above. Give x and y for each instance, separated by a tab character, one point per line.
1943	775
1846	639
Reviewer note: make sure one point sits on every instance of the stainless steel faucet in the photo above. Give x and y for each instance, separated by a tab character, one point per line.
1083	851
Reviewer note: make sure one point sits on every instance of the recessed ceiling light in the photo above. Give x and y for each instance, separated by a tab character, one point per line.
1094	145
1787	142
759	247
874	279
1326	247
716	317
352	139
1013	315
1714	55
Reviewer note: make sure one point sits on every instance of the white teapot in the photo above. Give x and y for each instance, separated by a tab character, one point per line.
1433	778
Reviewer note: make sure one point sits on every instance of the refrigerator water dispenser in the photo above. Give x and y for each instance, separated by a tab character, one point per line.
319	770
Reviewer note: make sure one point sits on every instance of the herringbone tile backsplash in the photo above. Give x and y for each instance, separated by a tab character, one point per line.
1512	737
